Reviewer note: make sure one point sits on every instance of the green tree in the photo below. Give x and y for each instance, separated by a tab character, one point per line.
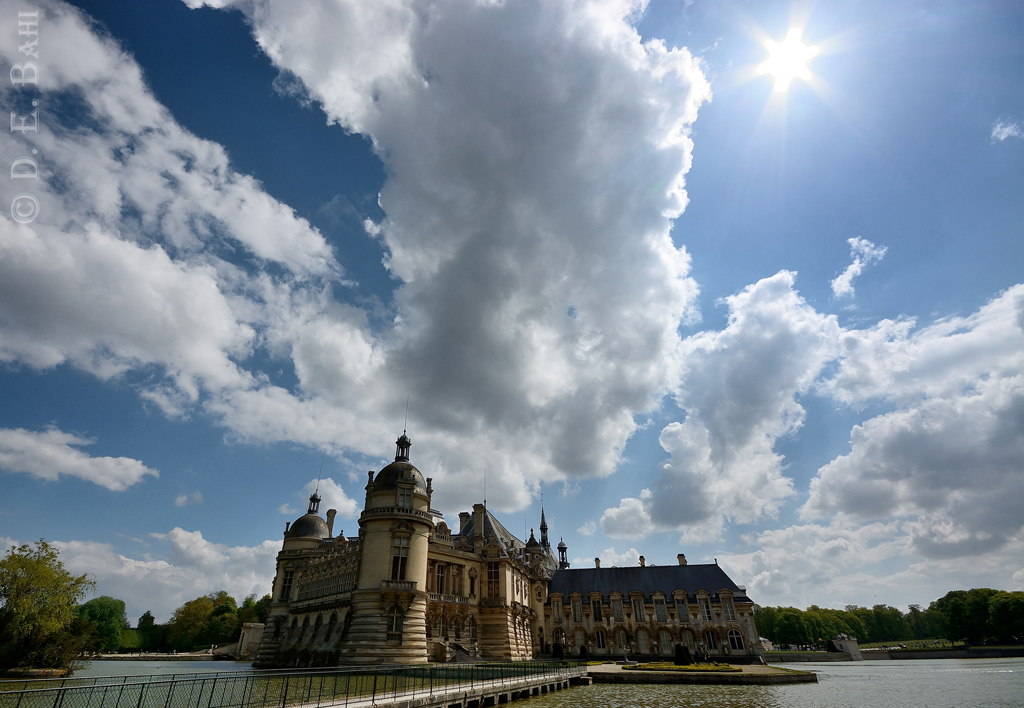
39	626
1006	616
188	622
253	610
790	627
107	613
146	622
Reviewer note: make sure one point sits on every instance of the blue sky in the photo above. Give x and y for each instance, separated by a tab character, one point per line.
601	257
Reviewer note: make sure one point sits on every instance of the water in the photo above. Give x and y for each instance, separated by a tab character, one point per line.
938	683
146	668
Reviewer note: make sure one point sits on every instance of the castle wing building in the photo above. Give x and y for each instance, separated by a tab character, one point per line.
408	589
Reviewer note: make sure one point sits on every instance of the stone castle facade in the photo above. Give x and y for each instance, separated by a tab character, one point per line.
408	589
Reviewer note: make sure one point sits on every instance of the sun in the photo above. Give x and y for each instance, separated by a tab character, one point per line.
787	60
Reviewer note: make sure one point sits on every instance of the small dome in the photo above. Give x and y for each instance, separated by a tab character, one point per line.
308	526
562	546
399	471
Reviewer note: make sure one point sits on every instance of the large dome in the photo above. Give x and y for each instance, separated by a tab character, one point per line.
399	471
308	526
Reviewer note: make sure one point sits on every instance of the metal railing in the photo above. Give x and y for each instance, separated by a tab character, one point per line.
259	689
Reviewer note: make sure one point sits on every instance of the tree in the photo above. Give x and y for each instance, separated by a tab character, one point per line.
39	625
146	622
790	627
1006	616
107	614
188	622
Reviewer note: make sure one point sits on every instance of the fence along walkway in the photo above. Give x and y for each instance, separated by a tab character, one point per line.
425	686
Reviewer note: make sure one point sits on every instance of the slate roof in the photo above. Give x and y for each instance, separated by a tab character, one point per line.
666	578
491	527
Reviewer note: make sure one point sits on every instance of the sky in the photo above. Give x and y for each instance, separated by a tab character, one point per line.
582	250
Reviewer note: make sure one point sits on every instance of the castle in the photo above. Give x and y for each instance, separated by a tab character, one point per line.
409	590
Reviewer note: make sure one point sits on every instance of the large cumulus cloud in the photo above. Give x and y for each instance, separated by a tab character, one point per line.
739	389
535	154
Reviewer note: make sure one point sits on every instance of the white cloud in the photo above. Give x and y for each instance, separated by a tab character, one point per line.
739	390
1001	130
334	497
628	520
864	253
954	463
848	563
948	458
52	453
587	529
539	291
626	559
195	497
286	509
195	567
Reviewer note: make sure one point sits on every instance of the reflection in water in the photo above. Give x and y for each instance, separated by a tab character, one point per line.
947	683
147	668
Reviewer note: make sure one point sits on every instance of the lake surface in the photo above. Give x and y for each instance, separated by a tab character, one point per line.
146	668
939	683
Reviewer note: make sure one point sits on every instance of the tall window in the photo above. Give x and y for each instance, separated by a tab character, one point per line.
659	610
705	609
599	637
399	557
638	609
556	611
493	580
711	640
595	607
577	610
405	497
617	609
286	584
684	615
665	640
735	640
472	586
395	621
440	579
729	609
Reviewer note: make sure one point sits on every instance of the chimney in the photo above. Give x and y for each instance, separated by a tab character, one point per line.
331	513
681	557
643	562
463	520
597	562
478	520
286	525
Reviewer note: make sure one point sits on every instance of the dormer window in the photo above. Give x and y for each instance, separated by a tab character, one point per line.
404	498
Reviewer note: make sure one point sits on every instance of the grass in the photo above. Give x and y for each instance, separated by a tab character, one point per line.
669	666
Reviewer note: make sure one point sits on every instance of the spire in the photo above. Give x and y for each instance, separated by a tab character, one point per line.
543	529
402	446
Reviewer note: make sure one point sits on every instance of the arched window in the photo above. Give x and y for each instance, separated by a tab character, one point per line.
599	637
711	640
316	626
395	621
735	640
293	627
623	640
665	640
559	637
643	642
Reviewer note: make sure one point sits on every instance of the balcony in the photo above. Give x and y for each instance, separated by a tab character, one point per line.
406	585
441	598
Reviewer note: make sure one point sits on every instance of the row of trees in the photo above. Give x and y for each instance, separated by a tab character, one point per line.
972	616
45	624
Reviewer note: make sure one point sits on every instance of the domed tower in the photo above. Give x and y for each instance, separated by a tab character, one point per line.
389	603
308	530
